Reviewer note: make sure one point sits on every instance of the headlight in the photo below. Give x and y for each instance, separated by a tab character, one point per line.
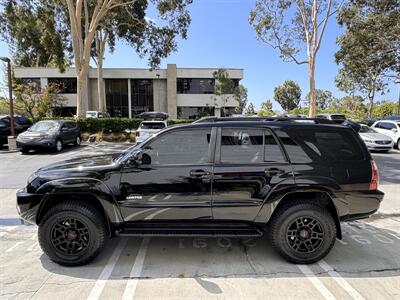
32	177
368	141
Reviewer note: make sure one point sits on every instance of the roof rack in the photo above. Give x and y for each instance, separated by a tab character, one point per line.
269	119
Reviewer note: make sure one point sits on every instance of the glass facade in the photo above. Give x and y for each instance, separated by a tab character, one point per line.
195	86
189	112
142	96
117	97
65	85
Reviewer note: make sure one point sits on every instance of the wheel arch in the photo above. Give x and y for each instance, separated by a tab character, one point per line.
320	197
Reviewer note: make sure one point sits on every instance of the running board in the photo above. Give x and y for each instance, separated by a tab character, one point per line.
189	231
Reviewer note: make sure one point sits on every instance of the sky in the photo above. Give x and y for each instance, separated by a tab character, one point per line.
221	36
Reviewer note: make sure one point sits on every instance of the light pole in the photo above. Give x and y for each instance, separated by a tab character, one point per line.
8	61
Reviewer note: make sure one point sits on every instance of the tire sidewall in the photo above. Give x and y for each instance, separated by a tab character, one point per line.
78	140
328	227
45	230
62	145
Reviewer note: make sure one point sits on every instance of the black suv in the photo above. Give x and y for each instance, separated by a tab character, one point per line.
293	179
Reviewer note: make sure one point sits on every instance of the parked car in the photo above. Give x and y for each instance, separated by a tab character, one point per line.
52	135
5	129
97	114
154	122
337	118
390	128
375	140
219	178
393	118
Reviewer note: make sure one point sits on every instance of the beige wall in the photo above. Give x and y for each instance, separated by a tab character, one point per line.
160	95
171	91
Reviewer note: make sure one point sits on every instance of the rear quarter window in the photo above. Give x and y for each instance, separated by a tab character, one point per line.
321	144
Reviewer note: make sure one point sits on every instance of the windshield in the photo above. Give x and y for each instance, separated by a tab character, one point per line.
152	125
366	129
44	126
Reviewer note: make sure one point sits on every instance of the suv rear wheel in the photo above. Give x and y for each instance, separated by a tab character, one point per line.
302	232
72	233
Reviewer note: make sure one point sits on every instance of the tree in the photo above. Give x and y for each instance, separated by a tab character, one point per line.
241	97
385	108
369	53
85	19
294	27
223	87
266	105
250	110
36	104
323	98
33	35
288	95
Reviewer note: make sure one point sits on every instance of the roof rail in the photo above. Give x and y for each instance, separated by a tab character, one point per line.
269	119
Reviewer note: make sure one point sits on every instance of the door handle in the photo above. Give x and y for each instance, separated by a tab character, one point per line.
200	174
273	172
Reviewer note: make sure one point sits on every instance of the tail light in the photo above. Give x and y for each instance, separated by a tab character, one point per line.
137	133
374	176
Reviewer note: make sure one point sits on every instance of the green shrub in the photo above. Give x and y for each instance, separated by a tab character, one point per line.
116	125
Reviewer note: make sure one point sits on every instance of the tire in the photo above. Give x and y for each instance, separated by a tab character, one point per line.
24	150
397	145
285	237
77	141
59	145
72	233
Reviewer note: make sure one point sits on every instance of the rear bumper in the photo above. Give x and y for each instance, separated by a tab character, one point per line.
27	205
356	205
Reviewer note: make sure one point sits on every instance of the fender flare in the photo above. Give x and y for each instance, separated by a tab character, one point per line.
79	186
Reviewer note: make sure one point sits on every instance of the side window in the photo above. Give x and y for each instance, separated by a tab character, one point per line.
387	126
377	125
328	145
189	147
242	145
273	152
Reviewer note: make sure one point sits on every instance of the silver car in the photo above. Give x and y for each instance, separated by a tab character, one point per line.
374	140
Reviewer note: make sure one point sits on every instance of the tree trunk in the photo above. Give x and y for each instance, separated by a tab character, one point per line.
313	101
82	96
100	85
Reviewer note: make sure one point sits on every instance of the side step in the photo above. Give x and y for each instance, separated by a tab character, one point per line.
188	230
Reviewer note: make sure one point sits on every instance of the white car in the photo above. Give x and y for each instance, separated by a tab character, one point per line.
390	128
149	128
374	140
96	114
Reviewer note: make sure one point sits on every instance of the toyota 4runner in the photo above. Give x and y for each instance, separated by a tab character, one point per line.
294	180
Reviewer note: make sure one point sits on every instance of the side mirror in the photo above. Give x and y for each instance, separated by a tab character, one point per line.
394	130
135	160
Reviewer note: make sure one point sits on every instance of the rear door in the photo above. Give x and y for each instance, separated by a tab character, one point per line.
249	163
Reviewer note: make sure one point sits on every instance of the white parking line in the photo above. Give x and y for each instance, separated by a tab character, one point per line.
106	273
340	280
13	247
130	289
316	282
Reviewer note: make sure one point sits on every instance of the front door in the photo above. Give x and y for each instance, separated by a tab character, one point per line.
174	180
249	163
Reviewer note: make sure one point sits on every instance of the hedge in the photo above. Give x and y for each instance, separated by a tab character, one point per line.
93	125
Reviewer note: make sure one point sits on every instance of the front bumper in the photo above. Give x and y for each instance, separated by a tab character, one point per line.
35	143
377	147
28	204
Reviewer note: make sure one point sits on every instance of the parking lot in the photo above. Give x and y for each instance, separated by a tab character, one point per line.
364	265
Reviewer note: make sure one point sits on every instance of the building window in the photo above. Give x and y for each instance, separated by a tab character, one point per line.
64	85
188	112
117	97
142	96
195	86
34	82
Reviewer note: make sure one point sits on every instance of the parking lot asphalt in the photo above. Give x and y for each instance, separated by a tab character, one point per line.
364	265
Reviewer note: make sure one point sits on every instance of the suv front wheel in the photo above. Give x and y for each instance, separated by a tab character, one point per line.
303	232
72	233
